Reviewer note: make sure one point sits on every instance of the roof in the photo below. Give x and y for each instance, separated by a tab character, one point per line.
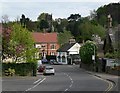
65	47
44	37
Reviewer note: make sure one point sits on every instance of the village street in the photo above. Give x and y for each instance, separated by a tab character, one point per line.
66	78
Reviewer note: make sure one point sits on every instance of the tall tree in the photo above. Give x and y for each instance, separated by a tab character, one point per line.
45	22
111	9
21	44
63	37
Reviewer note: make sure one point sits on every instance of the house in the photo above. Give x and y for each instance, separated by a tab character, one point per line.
68	52
47	43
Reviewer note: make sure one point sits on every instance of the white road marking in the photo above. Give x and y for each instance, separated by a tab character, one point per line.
66	89
37	81
35	85
71	80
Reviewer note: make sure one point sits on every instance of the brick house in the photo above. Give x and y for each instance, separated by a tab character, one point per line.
47	43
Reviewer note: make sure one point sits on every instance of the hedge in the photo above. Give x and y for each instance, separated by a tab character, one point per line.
21	69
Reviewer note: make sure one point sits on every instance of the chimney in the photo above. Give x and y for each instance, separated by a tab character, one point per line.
72	40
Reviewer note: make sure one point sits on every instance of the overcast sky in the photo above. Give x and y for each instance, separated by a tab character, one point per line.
58	8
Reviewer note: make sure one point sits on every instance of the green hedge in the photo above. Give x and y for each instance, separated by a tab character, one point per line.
21	69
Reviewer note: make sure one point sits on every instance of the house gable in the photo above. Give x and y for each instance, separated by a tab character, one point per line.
74	49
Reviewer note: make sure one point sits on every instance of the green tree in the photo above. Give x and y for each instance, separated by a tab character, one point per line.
88	28
86	52
108	47
45	22
111	9
21	44
63	37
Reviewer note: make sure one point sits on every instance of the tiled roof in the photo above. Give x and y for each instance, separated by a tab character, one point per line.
44	37
65	47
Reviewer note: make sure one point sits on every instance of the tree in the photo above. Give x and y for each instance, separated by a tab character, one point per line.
63	37
6	34
74	17
45	22
86	52
23	20
111	9
21	44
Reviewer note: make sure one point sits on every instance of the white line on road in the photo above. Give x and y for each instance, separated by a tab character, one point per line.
66	89
36	85
37	81
70	80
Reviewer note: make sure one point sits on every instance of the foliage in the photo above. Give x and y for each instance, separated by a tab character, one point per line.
10	72
18	44
26	22
45	22
74	17
21	69
111	9
109	55
6	34
21	43
88	28
86	52
108	47
63	37
60	25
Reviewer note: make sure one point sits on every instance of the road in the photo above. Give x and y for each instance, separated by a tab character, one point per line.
66	78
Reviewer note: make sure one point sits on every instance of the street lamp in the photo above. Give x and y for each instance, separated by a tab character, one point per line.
93	57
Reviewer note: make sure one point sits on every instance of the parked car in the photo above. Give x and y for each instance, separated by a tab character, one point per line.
54	62
39	62
49	70
41	68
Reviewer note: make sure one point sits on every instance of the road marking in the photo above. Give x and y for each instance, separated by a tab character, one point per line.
66	89
37	81
110	84
71	80
35	85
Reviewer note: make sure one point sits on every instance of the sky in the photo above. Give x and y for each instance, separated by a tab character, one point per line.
58	8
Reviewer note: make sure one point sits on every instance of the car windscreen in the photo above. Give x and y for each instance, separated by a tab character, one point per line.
49	68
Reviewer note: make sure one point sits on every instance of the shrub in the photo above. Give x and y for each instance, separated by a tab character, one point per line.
86	52
9	72
109	55
21	69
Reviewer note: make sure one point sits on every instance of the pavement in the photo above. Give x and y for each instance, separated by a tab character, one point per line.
108	77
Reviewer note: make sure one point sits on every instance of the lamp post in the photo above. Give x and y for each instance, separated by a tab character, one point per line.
93	57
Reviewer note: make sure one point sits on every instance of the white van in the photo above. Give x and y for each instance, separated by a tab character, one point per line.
39	63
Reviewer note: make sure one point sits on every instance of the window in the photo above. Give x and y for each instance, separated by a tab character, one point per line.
63	58
52	53
53	46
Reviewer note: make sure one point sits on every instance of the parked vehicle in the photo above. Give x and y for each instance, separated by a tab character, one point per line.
49	70
41	68
54	62
39	62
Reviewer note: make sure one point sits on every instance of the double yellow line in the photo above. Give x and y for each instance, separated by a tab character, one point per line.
110	84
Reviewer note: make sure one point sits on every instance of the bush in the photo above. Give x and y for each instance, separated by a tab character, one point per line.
9	72
109	55
21	69
86	52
